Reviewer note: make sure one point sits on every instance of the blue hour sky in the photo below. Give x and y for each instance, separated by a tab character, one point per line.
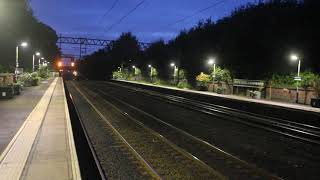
152	20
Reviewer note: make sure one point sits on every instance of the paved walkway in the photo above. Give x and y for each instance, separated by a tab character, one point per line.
261	101
13	112
43	148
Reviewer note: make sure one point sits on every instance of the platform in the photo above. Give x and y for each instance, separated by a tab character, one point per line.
43	148
239	98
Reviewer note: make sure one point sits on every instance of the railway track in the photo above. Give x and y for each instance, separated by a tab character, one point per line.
197	149
300	131
156	155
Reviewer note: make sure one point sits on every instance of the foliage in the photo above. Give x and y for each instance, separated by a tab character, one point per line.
154	72
118	75
43	72
203	78
282	81
184	85
2	69
29	79
317	87
222	75
308	80
244	43
182	75
137	72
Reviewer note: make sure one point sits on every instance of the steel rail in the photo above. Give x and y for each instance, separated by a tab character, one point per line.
295	130
132	150
93	152
203	142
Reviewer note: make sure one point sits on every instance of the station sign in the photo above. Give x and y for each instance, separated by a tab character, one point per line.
248	83
297	78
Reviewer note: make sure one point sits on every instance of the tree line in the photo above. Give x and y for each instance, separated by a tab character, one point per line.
254	42
17	24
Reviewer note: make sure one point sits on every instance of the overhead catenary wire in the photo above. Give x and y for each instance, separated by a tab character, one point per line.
125	16
109	10
197	12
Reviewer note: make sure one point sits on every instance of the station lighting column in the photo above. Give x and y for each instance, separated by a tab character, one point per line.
23	44
212	62
151	71
294	57
175	71
40	62
134	72
33	59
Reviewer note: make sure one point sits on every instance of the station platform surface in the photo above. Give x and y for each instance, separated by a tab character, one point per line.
240	98
43	148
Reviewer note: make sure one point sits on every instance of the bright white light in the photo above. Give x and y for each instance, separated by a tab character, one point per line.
42	58
172	65
133	67
149	66
24	44
38	54
211	61
75	73
294	57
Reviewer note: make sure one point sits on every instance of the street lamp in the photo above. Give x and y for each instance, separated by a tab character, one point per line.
151	69
134	69
294	57
33	59
175	71
212	62
42	58
23	44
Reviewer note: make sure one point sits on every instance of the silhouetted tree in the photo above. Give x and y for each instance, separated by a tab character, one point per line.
254	42
17	24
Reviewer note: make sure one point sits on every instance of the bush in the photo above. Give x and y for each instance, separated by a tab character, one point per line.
221	90
118	75
43	72
28	79
184	85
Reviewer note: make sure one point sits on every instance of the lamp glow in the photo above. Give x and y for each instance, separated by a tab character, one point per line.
211	61
24	44
294	57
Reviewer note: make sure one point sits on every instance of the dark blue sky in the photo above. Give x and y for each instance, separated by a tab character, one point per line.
151	21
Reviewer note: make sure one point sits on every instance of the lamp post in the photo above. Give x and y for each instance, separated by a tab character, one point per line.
294	57
39	63
175	71
151	71
23	44
134	72
212	62
33	59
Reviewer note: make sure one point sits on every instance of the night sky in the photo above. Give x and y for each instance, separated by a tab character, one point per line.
152	20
